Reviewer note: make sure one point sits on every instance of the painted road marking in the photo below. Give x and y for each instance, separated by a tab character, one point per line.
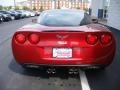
84	81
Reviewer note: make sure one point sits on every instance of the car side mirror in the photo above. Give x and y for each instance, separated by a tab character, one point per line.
34	20
94	19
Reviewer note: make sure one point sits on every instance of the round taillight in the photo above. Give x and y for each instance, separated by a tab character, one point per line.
20	38
92	39
106	39
34	38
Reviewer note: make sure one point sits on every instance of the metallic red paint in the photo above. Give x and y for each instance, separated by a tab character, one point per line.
83	53
20	38
92	39
34	38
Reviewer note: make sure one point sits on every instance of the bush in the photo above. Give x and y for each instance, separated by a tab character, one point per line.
25	8
34	9
1	7
41	9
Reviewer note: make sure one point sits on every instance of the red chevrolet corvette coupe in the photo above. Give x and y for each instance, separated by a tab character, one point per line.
66	38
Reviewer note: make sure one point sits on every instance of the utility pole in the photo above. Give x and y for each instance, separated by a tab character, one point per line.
58	5
53	4
14	4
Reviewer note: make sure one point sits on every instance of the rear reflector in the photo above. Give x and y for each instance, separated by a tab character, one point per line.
20	38
34	38
106	39
92	39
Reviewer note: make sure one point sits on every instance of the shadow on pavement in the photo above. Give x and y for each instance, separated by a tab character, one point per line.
61	73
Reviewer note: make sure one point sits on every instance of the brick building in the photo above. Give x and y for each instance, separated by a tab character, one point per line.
50	4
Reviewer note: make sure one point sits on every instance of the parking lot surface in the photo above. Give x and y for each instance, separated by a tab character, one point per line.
14	77
107	79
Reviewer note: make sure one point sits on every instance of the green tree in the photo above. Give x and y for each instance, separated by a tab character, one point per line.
5	8
34	9
25	8
1	7
17	8
86	9
58	5
41	8
9	7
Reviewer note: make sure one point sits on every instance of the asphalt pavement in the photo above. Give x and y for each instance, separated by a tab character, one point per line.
108	79
14	77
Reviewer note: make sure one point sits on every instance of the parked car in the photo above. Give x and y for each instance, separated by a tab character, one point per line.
32	14
15	15
37	13
1	18
6	16
23	15
27	13
65	38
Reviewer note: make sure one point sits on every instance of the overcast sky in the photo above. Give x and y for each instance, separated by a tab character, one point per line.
9	2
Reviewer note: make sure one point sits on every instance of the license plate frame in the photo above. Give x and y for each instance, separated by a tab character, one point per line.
62	52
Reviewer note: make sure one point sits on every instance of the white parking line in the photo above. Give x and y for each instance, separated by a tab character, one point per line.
83	79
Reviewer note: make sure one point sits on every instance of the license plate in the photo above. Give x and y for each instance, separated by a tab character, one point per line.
62	52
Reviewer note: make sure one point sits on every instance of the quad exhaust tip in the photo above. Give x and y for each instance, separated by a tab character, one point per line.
74	71
70	71
51	70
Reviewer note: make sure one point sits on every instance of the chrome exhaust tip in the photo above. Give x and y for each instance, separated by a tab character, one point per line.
73	71
51	70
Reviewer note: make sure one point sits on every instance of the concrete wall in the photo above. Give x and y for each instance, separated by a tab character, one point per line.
114	14
96	5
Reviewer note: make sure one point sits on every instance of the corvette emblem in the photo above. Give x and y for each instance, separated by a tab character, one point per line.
62	36
62	42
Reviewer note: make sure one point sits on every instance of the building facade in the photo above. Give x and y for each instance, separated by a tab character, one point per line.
56	4
98	8
114	14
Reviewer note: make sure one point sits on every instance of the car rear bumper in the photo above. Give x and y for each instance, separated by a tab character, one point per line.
44	66
82	53
76	62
